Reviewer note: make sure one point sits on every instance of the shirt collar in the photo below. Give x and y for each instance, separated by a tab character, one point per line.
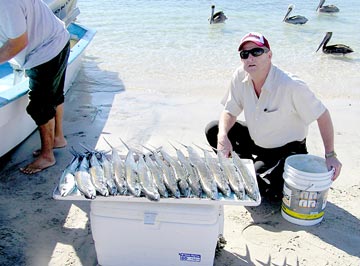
246	77
269	79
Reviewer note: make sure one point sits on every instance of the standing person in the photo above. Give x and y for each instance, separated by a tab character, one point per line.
278	108
34	39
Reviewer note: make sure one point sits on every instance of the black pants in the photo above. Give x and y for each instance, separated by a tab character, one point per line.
246	148
46	83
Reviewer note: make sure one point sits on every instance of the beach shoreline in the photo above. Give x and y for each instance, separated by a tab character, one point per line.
38	230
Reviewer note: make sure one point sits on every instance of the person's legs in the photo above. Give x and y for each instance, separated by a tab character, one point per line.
59	139
211	132
46	157
270	175
238	135
46	107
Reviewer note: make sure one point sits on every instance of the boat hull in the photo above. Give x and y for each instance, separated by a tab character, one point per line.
15	124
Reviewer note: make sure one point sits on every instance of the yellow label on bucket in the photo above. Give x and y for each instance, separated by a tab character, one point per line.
302	216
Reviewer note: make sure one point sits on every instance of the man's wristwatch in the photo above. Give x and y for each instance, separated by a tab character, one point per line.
330	154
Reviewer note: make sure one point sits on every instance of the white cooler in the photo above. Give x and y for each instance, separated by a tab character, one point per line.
133	231
150	233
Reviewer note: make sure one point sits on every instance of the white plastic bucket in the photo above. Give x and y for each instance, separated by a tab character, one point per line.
306	185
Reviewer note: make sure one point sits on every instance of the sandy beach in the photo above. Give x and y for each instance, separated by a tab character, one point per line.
37	230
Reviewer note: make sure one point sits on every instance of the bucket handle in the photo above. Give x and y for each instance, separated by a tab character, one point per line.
311	185
332	171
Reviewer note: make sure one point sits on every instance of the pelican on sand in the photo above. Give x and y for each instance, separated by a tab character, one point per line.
218	17
294	19
326	9
335	48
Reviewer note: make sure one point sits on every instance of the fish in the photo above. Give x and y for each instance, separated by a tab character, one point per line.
248	180
96	172
119	173
179	171
206	177
169	176
97	175
83	179
191	174
233	175
218	173
67	183
146	180
108	174
132	179
158	175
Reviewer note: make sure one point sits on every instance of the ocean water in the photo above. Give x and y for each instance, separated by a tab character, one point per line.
169	47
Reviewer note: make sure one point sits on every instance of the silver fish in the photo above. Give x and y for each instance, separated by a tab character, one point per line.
67	183
119	173
108	174
147	181
83	179
206	178
218	173
179	171
192	175
232	175
158	175
132	179
169	176
248	180
97	175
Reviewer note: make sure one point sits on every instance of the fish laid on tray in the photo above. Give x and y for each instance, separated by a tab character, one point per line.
156	174
83	178
67	183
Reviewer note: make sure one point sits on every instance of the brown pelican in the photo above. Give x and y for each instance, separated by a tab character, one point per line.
218	17
335	48
294	19
326	9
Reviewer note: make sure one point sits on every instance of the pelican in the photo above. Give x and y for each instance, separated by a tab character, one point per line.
294	19
326	9
218	17
335	48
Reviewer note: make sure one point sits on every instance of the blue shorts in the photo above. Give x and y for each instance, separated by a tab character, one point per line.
46	84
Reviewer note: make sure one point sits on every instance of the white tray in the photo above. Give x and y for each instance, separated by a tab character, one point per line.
232	200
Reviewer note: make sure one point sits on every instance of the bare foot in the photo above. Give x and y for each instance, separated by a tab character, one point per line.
58	144
38	151
38	165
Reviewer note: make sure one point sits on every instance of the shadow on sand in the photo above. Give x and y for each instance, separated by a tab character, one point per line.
31	221
245	260
268	217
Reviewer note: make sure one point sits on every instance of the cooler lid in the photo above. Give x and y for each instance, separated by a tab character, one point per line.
151	213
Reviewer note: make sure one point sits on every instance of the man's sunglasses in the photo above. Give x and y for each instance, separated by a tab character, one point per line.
244	54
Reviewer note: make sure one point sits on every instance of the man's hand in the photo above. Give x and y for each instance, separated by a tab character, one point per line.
12	47
224	145
334	163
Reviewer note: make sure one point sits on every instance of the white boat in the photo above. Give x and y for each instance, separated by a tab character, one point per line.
66	10
15	124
